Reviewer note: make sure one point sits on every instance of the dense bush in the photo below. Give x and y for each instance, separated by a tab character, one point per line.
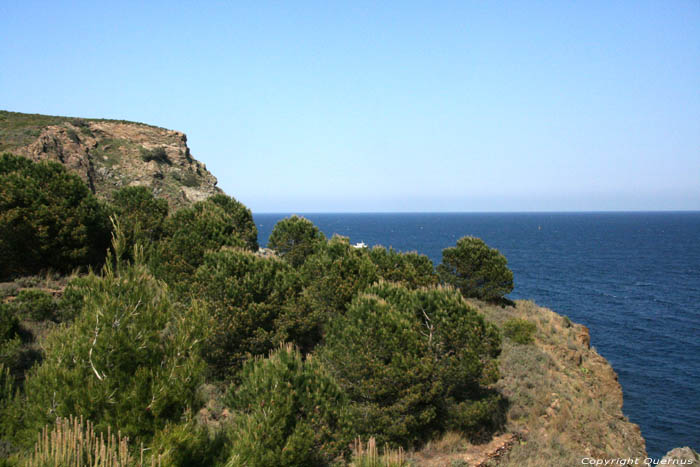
409	269
287	412
35	304
334	274
48	219
520	331
156	154
188	445
294	239
412	362
140	215
476	270
252	301
206	225
129	360
10	341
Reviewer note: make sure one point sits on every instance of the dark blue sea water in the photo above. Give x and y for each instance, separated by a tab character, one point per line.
632	278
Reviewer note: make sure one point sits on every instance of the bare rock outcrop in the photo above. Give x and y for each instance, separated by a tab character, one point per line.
681	456
109	155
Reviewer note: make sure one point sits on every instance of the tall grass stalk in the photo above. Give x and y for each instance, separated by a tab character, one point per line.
368	455
72	442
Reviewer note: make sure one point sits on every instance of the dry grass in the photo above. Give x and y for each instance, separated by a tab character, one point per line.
72	442
564	398
368	455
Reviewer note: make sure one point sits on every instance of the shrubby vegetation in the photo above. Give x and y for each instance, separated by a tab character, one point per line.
413	363
303	350
251	300
141	216
130	359
156	154
476	270
49	219
289	411
207	225
519	331
294	239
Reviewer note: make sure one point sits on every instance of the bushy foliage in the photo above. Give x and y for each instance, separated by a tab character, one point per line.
294	239
476	270
35	304
412	362
207	225
129	360
252	302
520	331
187	445
335	273
140	215
411	269
71	302
48	219
288	411
16	354
156	154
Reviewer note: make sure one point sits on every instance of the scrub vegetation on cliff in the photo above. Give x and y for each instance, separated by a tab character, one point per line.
174	330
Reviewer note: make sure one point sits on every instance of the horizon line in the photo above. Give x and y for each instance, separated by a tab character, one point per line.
611	211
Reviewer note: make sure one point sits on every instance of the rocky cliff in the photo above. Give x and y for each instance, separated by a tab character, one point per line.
564	402
110	154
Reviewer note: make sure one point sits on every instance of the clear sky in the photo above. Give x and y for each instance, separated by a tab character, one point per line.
387	106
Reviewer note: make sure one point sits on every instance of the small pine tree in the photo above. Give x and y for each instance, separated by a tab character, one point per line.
140	215
412	362
294	239
288	411
476	270
48	219
252	301
130	359
409	269
191	231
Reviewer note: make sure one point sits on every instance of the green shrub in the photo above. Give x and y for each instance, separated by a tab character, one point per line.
294	239
187	445
520	331
156	154
12	357
35	304
476	270
72	300
206	225
409	269
48	219
140	215
253	307
129	360
334	274
287	412
411	362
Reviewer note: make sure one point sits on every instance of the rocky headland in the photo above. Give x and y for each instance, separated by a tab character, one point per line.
110	154
564	402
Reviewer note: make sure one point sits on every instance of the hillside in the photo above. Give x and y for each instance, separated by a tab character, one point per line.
561	401
110	154
564	401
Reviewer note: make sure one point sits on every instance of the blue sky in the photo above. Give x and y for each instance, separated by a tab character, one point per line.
387	106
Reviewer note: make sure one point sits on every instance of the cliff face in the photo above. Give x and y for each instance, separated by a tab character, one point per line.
565	402
109	154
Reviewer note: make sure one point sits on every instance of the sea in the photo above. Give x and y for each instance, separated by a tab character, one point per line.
633	278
